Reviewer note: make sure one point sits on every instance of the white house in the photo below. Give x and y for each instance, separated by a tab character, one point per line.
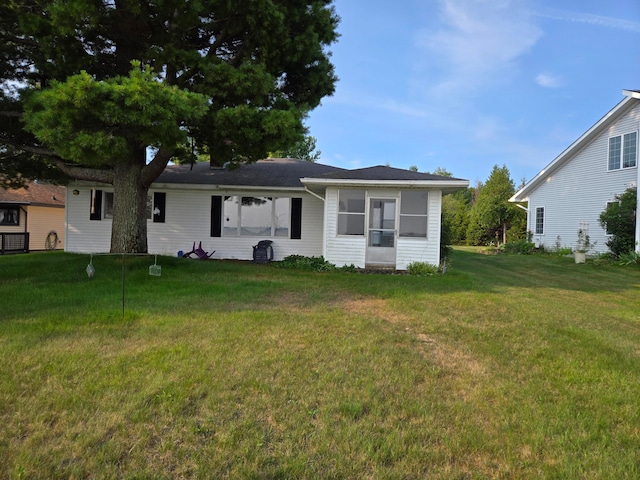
572	191
378	216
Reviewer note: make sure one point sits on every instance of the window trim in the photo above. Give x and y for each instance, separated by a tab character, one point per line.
417	215
346	213
535	220
219	206
14	208
621	154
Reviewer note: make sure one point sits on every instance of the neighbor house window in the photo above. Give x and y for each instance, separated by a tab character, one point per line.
351	212
256	216
413	214
623	151
9	216
540	221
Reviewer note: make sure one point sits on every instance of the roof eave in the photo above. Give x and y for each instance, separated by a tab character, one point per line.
442	184
523	194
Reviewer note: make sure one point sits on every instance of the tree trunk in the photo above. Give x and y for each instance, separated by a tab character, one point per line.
129	226
504	233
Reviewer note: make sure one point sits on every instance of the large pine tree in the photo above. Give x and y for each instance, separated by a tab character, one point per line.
110	90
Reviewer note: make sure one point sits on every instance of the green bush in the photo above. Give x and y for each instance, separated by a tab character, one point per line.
300	262
421	268
619	220
522	247
629	258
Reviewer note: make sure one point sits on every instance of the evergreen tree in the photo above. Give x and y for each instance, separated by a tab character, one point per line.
305	150
492	214
90	87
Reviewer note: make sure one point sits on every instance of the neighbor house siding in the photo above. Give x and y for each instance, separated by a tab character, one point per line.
579	190
41	221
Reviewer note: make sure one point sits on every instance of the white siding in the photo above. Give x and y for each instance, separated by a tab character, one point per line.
341	249
346	250
81	234
423	250
187	220
580	189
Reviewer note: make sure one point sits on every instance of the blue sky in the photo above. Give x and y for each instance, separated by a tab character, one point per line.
468	84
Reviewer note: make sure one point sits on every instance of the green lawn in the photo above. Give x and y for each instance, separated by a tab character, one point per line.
505	367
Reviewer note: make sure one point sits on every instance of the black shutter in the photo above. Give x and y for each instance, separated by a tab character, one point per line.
216	216
296	218
159	204
95	207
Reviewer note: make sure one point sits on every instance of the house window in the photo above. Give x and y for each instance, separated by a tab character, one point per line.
351	212
159	204
540	221
623	151
95	206
108	205
9	216
413	214
256	216
101	206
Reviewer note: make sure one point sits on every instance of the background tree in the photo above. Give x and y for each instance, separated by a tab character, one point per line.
492	214
305	149
88	88
619	220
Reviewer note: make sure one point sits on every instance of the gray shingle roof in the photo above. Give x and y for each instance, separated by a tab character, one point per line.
381	172
273	172
284	173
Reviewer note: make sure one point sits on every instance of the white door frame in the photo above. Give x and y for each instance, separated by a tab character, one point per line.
381	233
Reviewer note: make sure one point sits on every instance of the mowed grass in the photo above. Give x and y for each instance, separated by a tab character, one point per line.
505	367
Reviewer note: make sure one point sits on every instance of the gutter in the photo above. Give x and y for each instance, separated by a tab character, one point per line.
306	189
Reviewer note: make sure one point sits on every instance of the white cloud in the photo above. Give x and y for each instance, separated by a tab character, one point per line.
549	81
579	17
480	42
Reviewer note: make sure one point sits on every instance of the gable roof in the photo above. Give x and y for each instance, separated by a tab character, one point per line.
35	193
630	100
